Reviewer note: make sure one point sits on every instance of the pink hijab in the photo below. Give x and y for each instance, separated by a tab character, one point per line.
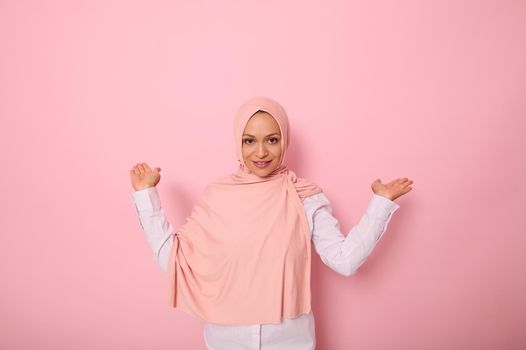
244	254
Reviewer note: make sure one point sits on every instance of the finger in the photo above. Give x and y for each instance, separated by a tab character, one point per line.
403	182
136	170
393	182
406	182
141	167
147	167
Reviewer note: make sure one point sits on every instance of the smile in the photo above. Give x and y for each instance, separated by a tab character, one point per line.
262	164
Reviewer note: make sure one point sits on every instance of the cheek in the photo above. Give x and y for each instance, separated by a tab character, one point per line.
245	152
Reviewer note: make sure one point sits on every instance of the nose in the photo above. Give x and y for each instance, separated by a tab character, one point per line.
262	150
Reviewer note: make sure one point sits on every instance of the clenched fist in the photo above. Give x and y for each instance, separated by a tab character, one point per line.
143	177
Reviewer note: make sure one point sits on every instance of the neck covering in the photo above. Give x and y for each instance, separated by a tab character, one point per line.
243	256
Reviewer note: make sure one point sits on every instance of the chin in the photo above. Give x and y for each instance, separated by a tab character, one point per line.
260	172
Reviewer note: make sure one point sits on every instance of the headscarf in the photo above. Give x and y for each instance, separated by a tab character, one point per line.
243	256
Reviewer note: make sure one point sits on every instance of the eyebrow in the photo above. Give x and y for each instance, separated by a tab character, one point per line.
267	135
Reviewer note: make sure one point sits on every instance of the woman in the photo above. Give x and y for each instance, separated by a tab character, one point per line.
241	262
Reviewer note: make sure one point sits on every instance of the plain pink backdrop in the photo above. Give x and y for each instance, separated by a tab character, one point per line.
430	90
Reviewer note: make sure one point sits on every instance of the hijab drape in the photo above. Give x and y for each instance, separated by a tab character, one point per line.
243	256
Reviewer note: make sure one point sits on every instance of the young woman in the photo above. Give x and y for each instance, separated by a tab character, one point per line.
241	262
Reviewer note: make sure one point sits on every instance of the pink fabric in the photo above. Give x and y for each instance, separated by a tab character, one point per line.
244	254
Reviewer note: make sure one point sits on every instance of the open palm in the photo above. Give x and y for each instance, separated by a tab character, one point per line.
142	176
393	189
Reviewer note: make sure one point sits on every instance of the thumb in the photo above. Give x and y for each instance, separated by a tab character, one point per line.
158	169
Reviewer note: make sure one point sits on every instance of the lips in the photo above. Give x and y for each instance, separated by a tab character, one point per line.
261	164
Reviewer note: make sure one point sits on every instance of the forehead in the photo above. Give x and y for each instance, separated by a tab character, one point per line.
262	120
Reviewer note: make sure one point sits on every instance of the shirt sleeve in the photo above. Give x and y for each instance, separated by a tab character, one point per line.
157	229
345	254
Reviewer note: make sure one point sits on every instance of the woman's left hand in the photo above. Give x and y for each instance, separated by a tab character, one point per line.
393	189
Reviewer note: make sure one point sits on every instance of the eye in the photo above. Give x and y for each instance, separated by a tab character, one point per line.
245	141
275	140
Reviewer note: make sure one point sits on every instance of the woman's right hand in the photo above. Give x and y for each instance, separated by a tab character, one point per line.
143	177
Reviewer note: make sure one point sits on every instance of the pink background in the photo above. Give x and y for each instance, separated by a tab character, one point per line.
432	90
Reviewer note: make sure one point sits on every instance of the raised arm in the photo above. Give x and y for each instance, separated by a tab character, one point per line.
345	254
158	231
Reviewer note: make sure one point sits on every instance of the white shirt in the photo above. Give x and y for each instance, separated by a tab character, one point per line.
343	254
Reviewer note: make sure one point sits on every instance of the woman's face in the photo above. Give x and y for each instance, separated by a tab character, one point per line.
261	144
